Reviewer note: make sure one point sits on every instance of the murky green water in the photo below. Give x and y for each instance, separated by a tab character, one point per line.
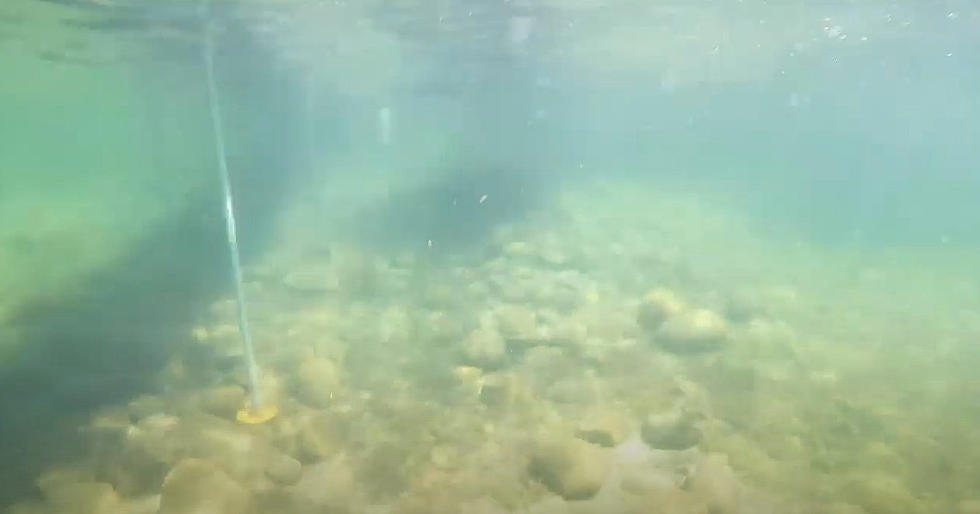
534	257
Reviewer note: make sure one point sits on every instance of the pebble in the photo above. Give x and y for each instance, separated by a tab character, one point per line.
657	307
223	401
317	380
310	281
497	390
485	348
328	486
284	470
670	431
569	467
516	322
606	429
693	331
321	437
196	485
714	483
84	498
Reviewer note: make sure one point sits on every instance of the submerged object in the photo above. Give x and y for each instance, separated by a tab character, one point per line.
255	411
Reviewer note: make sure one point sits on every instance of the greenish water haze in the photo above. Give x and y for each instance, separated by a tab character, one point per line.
86	169
456	219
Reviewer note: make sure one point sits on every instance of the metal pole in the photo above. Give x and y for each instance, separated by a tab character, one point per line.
236	267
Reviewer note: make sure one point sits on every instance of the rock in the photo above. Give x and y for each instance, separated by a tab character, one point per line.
657	307
311	281
359	275
441	328
223	401
157	425
229	332
557	293
508	287
497	390
485	348
83	498
317	380
138	464
236	449
714	483
134	469
145	505
283	470
146	405
673	430
271	385
881	455
881	493
604	428
406	260
482	505
669	501
224	309
567	332
569	467
195	486
842	508
553	256
516	323
30	507
54	479
321	436
607	321
517	249
328	486
422	501
110	425
644	479
444	456
284	433
540	360
571	391
223	339
396	325
260	272
439	295
388	468
693	331
645	472
477	290
470	380
548	505
743	305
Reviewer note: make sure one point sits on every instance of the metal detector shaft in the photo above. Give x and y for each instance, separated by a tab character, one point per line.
236	267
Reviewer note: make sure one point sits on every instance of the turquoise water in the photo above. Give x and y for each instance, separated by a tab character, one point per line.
522	257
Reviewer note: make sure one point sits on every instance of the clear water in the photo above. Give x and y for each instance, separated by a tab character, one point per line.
523	256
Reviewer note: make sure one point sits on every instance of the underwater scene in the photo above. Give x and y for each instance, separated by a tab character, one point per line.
489	256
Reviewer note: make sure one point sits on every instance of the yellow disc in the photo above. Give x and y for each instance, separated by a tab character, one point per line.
250	416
